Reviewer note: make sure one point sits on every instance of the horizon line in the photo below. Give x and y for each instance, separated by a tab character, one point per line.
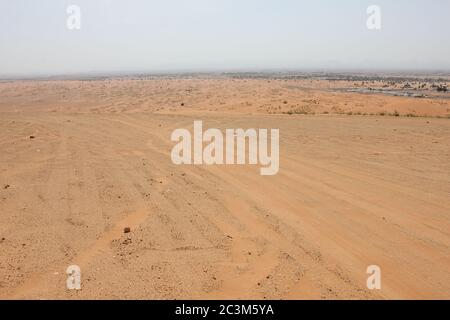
220	71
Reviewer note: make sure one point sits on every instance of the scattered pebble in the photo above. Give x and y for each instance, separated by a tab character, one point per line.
127	242
6	186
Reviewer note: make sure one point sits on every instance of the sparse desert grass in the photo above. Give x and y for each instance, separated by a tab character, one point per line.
300	110
395	114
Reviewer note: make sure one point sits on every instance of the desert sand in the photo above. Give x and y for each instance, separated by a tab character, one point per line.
364	180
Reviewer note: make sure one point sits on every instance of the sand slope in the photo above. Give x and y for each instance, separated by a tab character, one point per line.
352	191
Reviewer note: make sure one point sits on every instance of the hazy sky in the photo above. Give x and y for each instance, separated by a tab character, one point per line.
169	35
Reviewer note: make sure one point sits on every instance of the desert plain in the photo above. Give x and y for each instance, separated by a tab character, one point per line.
364	180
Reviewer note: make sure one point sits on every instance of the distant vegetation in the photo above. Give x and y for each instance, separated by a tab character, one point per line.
442	88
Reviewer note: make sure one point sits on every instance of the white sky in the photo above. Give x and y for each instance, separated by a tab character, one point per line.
171	35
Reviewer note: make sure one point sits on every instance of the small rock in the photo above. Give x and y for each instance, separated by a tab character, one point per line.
32	137
126	230
6	186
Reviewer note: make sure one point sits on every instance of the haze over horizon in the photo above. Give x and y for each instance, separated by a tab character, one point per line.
201	35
